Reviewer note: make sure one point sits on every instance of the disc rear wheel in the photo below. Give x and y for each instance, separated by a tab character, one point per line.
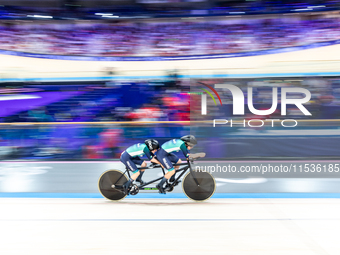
110	184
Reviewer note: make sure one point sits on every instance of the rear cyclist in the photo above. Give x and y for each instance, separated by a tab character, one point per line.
131	156
167	158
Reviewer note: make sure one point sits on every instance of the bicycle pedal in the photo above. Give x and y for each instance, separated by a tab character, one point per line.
126	189
169	188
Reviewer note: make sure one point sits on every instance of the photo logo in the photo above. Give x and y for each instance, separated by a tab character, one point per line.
238	100
204	98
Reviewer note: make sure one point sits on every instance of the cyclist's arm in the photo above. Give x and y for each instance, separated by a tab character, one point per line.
151	157
154	160
148	154
185	150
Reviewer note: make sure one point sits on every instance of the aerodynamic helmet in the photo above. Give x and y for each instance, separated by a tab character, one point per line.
189	140
152	144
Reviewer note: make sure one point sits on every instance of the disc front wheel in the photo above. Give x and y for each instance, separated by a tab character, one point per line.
201	189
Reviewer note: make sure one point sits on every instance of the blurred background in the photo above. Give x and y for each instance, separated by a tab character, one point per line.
86	79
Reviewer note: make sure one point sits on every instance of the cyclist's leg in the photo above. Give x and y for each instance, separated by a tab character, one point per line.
138	176
164	159
175	160
128	161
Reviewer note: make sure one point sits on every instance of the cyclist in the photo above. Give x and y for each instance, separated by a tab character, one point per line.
167	158
131	156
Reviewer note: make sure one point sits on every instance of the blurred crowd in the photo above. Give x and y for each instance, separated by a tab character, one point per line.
166	39
126	103
112	101
167	100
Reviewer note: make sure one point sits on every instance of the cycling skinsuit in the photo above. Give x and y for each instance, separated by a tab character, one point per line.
165	155
131	156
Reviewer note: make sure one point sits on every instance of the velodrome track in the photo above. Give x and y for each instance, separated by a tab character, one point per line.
321	61
40	226
55	208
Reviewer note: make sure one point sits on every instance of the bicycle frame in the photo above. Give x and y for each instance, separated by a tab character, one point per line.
183	170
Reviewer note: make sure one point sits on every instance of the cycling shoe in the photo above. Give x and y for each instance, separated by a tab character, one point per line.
161	189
